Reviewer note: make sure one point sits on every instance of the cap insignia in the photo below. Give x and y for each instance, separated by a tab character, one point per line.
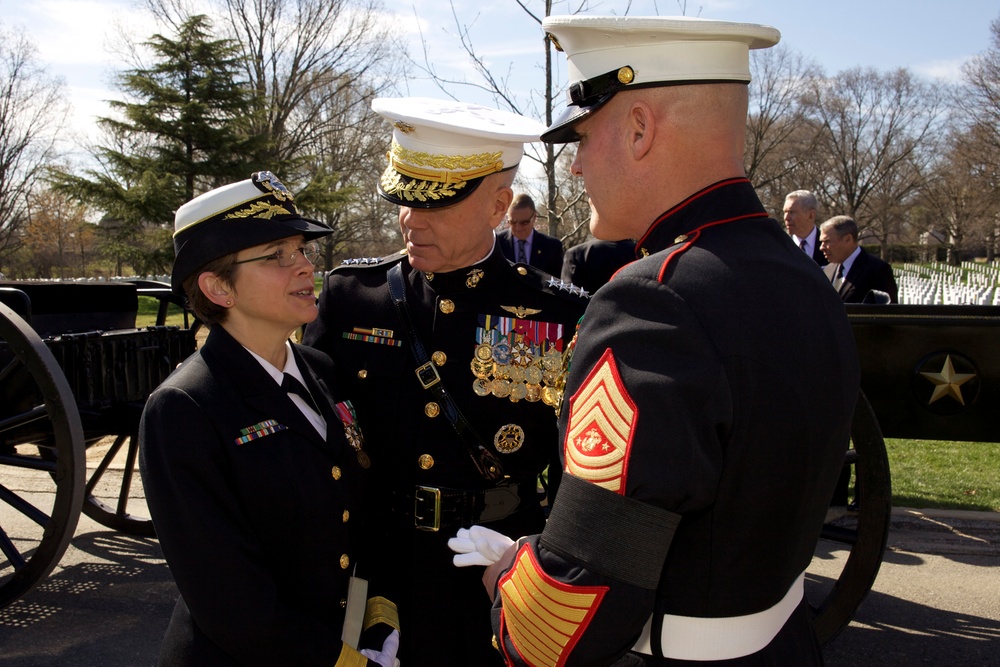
392	184
411	158
405	128
555	42
259	209
626	75
268	182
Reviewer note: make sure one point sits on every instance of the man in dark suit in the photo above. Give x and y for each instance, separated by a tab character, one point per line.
799	213
852	271
592	263
521	242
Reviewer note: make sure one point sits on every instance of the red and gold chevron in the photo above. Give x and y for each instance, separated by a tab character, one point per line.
602	419
544	617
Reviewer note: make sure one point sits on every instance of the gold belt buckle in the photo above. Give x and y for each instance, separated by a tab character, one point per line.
427	375
435	523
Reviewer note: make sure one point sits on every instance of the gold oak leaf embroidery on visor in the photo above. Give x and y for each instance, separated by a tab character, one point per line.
602	420
545	617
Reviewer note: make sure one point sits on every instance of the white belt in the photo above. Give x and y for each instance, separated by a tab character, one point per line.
695	638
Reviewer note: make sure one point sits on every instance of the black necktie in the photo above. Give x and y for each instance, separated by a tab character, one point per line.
520	251
802	244
839	279
292	385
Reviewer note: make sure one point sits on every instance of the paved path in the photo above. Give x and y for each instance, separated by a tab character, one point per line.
936	601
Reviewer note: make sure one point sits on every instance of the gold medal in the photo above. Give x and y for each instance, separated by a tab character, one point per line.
484	352
549	396
516	374
481	369
517	392
501	388
363	459
534	393
533	375
509	439
481	387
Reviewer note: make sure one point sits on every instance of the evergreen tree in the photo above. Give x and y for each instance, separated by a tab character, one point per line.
182	131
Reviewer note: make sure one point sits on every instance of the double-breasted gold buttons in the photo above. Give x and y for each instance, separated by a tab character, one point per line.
426	462
432	409
446	306
335	472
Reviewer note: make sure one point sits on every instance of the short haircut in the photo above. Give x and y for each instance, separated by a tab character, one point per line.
208	312
840	225
807	197
522	200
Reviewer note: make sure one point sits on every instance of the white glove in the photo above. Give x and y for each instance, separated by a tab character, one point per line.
387	656
478	546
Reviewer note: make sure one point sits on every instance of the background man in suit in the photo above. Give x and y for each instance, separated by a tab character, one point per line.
800	220
592	263
522	243
853	271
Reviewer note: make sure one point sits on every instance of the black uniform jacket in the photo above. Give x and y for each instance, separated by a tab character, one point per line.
703	434
517	312
257	516
867	273
592	263
546	251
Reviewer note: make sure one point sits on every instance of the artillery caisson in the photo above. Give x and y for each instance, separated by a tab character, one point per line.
75	373
927	373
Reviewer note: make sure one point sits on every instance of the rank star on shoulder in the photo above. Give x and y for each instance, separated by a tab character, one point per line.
948	382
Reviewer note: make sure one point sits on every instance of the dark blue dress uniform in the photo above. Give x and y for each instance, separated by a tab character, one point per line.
495	333
259	518
702	437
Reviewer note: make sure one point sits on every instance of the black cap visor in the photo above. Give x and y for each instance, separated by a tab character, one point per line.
211	240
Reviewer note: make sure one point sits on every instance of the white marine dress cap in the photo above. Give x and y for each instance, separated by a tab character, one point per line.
608	54
441	149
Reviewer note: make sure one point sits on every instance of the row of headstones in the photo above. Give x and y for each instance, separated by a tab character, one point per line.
948	285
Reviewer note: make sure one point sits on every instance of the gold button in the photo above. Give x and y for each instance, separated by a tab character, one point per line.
432	409
626	75
523	271
439	358
345	562
362	374
347	516
426	461
335	472
447	306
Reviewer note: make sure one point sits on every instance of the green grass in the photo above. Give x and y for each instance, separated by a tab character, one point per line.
945	475
148	308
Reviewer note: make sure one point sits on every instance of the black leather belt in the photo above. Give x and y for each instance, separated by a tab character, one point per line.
435	508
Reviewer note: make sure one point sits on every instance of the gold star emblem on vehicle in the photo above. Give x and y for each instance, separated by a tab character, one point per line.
948	382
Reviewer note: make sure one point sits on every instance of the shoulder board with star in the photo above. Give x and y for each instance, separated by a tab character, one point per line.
370	262
549	283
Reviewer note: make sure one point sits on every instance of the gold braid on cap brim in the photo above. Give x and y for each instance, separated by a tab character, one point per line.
260	209
443	176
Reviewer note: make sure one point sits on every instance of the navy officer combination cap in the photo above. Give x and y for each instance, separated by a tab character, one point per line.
608	54
236	216
442	150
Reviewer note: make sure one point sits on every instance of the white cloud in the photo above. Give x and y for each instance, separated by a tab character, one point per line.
949	71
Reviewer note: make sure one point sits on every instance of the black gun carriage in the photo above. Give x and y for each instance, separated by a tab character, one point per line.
928	372
75	373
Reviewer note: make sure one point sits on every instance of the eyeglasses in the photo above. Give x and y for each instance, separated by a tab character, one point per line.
285	259
521	223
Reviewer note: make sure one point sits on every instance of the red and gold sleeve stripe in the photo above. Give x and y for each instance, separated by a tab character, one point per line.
545	617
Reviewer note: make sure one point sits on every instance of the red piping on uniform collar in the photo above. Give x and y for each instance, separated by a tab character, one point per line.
695	233
677	207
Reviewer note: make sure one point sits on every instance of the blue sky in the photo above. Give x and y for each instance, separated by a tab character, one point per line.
76	38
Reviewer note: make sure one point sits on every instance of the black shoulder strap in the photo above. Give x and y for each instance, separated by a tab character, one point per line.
486	462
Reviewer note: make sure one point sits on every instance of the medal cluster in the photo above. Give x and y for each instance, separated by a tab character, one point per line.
518	371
